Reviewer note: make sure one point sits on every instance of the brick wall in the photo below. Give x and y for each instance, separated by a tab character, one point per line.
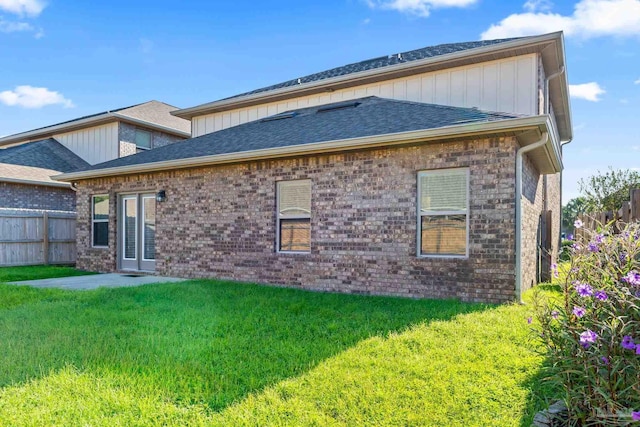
22	196
220	222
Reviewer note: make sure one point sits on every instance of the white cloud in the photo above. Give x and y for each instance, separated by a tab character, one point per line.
537	5
33	97
636	148
417	7
589	91
637	82
590	18
23	7
13	27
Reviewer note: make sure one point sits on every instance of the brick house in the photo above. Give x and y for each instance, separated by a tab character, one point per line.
430	173
29	159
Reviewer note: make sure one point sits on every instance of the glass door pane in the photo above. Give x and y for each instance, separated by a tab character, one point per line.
130	216
149	228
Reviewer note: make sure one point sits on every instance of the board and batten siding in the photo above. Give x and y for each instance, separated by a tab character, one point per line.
95	144
508	85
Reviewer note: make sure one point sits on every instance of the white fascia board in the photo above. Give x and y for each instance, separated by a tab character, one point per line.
33	182
376	141
226	104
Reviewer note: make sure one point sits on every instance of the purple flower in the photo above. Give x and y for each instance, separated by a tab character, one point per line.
576	247
605	360
635	415
599	238
638	349
579	311
587	338
627	343
578	223
570	237
555	314
593	247
583	289
601	295
623	257
554	269
632	278
529	320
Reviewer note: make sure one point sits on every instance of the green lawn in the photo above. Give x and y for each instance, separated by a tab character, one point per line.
214	353
34	272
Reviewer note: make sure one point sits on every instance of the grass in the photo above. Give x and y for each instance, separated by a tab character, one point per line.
218	353
34	272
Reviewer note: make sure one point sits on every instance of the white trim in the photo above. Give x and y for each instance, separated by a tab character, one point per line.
279	217
34	182
93	220
421	213
124	229
142	197
386	140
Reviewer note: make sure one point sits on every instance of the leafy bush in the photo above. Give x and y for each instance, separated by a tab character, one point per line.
565	250
592	333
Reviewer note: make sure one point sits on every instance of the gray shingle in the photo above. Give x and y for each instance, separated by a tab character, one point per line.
383	61
48	154
372	116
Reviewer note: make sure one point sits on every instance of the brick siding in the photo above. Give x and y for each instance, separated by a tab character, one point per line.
20	196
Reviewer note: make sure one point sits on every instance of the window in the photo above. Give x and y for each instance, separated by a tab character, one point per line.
143	139
100	221
294	216
443	213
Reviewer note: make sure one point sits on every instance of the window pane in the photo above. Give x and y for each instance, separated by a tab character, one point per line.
101	207
143	138
444	235
130	215
294	198
295	235
149	244
443	190
100	234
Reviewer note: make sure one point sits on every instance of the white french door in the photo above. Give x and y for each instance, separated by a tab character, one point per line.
137	232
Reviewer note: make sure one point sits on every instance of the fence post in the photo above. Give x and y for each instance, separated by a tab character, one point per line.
45	237
635	204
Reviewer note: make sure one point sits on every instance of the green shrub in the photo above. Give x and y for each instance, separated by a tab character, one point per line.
565	250
592	334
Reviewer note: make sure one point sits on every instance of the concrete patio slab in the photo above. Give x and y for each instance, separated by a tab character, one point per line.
110	280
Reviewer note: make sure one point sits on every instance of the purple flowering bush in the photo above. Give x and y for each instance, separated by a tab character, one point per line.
592	333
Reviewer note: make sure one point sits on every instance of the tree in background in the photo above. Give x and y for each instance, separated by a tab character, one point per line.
570	212
606	191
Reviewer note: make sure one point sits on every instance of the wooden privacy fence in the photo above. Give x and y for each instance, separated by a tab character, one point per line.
30	237
630	211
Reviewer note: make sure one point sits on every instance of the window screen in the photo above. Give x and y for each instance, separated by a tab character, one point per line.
443	214
100	221
294	216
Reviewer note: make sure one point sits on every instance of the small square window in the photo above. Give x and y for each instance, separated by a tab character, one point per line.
143	139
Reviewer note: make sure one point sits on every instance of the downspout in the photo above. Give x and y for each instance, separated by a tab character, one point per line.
546	89
519	156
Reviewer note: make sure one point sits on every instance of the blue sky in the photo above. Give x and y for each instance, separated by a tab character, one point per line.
63	59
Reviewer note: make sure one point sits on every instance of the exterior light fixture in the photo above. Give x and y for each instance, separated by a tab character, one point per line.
161	196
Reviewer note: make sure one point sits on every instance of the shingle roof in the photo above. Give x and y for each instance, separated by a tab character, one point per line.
38	176
48	154
357	118
152	112
382	61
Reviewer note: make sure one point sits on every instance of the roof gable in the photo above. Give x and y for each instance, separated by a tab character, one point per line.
48	154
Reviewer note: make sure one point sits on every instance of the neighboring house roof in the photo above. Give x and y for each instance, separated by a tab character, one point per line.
29	175
362	119
48	154
153	114
550	47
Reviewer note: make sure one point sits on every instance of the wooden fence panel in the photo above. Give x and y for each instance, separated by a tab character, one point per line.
630	211
37	237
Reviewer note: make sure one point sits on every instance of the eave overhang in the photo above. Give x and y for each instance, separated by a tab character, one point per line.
524	128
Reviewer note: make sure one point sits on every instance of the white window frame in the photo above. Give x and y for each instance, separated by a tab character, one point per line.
124	228
144	228
288	217
420	214
93	221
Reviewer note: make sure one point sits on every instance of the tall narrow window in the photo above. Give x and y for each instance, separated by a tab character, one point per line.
443	212
294	216
143	139
100	221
